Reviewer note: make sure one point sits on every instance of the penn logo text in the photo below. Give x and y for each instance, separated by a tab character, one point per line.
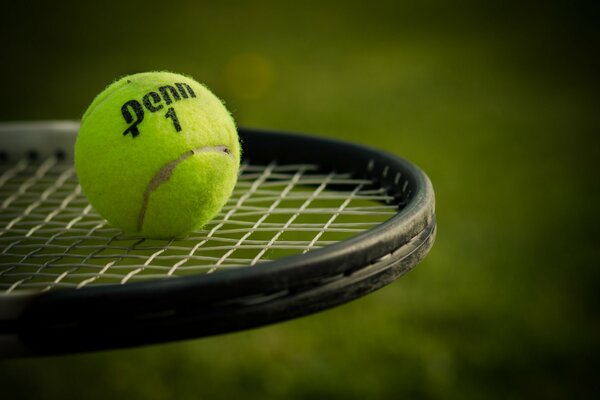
154	101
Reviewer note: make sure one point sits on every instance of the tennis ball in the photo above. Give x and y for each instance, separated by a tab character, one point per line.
157	154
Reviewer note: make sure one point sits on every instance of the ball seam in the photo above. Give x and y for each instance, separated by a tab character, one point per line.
165	173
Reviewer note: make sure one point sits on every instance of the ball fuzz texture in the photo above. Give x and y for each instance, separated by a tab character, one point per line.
157	154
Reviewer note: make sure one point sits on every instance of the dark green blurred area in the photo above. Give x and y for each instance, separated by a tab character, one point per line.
497	102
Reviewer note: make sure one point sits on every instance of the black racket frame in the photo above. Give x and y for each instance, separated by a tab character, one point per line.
116	316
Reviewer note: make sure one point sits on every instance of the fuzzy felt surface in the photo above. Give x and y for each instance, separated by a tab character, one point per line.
116	164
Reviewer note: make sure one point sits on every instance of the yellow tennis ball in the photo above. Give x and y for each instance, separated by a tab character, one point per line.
157	154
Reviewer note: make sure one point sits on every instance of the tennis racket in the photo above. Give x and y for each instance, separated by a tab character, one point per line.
313	223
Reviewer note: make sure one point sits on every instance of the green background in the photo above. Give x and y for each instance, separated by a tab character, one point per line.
497	102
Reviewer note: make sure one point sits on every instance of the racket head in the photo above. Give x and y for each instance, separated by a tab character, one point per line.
62	319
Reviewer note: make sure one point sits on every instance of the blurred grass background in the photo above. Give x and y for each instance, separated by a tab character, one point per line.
496	101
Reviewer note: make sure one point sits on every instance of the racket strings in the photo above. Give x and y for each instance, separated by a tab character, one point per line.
50	237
